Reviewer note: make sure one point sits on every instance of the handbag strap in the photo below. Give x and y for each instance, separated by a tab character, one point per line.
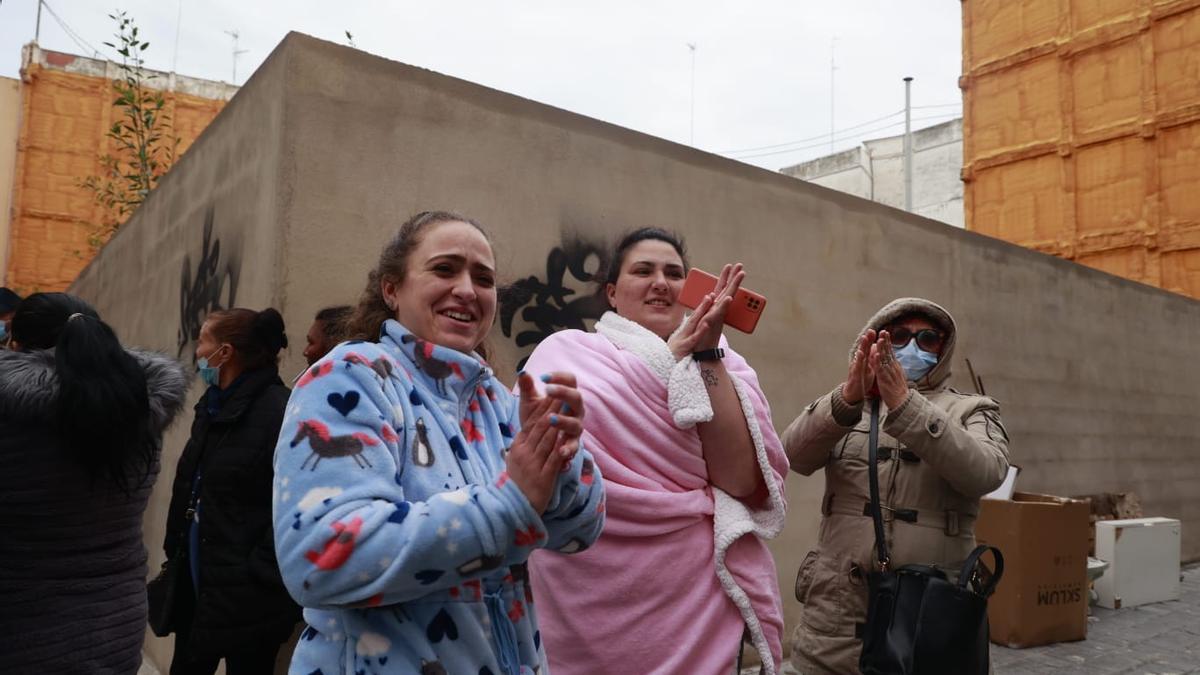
194	497
881	549
969	570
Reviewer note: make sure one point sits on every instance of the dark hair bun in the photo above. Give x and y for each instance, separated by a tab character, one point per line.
268	328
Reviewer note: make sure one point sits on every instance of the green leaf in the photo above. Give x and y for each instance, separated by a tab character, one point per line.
144	45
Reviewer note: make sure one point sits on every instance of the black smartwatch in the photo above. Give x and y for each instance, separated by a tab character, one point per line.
709	354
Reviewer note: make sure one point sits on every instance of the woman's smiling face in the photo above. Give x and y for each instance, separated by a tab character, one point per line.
448	296
647	289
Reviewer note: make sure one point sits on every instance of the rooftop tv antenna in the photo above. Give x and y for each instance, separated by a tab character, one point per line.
692	128
236	52
832	70
178	24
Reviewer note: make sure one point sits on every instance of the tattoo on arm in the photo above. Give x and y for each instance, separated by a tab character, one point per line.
709	376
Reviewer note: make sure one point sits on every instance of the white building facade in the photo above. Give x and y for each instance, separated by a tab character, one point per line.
875	170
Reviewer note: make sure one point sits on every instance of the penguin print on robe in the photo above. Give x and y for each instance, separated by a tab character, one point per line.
422	454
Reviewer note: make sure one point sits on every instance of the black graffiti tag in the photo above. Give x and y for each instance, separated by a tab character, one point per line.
551	310
213	287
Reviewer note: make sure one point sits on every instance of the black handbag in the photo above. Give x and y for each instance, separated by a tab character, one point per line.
161	593
918	622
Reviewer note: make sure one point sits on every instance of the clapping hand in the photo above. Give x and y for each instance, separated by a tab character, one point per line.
887	372
549	437
702	330
860	380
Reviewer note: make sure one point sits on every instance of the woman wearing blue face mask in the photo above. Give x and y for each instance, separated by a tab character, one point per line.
232	604
939	452
8	305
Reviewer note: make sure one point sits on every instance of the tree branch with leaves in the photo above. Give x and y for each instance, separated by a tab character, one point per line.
143	136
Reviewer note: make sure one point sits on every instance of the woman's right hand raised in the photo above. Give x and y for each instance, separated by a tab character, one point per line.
550	429
702	330
859	380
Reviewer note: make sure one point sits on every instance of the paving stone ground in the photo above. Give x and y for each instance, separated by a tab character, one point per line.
1158	639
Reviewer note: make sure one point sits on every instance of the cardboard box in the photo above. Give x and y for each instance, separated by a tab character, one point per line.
1043	595
1143	557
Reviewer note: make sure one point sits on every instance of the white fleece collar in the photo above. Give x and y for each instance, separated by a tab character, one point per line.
687	397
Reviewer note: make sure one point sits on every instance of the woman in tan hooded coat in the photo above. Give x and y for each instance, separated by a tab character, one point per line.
939	451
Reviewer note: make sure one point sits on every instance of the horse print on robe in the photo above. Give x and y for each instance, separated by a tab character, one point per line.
339	547
325	446
313	372
381	366
435	368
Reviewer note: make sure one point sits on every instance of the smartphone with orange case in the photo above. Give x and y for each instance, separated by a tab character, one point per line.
743	314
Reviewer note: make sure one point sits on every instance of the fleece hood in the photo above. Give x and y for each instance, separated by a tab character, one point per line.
937	315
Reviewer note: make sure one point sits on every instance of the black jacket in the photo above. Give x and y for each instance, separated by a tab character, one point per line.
72	558
242	601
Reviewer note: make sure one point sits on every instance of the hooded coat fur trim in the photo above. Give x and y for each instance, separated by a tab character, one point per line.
29	385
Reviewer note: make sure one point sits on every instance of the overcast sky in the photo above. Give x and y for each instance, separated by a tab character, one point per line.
762	67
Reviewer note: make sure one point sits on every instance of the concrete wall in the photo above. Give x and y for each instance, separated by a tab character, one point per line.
328	149
206	238
10	112
875	170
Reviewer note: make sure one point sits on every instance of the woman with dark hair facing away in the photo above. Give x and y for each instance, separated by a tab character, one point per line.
81	424
412	486
326	331
694	472
232	604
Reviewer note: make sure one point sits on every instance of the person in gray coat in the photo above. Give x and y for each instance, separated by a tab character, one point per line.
81	424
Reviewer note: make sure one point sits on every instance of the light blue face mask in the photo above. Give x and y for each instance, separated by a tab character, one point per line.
3	332
210	375
916	361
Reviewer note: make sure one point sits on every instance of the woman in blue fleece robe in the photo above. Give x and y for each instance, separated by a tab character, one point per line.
411	486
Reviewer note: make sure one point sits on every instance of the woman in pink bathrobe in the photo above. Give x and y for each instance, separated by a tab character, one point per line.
693	471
